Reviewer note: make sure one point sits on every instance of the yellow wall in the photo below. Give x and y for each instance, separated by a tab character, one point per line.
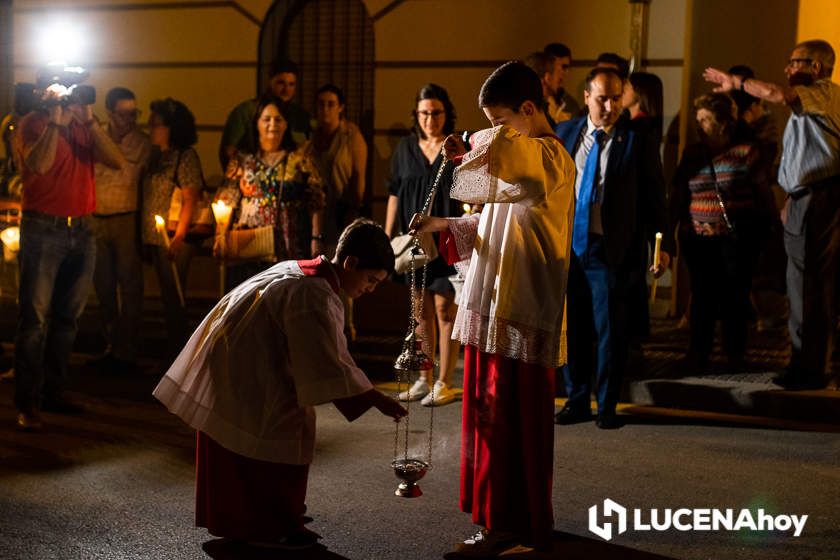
820	19
206	56
205	53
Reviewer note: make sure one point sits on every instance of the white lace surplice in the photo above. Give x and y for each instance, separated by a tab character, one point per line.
252	371
514	293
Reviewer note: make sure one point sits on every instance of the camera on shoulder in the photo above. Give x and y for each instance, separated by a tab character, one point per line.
66	81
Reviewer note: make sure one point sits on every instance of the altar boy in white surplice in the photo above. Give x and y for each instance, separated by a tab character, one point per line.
510	315
250	375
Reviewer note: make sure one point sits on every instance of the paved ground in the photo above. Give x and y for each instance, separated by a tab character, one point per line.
117	483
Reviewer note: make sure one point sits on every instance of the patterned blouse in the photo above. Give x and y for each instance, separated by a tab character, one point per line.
161	180
283	196
697	186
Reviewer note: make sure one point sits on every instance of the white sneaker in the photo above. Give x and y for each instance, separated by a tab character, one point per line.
442	393
417	391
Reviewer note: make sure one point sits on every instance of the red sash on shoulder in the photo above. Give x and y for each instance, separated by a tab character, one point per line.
321	268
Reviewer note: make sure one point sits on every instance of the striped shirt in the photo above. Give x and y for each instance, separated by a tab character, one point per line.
732	171
811	143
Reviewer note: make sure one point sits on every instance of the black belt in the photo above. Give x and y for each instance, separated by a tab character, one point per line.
833	181
66	221
116	215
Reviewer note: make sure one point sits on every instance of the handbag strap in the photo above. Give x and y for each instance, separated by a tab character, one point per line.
175	172
719	195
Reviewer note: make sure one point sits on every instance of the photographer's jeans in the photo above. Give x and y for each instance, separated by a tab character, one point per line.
56	269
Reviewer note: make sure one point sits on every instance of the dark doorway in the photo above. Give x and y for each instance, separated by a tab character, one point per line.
333	42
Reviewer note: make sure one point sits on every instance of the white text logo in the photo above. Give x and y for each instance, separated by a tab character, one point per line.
684	519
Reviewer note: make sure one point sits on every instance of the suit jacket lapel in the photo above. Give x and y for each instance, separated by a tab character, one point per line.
618	153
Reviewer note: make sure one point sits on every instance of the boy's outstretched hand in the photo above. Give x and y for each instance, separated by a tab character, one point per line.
388	406
421	223
453	147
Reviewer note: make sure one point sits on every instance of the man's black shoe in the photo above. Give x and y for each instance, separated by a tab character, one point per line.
570	415
608	421
61	406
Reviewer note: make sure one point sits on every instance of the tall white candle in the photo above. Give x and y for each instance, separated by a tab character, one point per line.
657	250
221	212
160	226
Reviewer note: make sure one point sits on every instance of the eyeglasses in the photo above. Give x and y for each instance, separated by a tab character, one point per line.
795	61
432	114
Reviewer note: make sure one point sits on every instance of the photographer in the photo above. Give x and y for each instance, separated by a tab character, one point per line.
58	143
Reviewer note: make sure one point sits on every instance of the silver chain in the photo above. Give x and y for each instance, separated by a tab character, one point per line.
416	311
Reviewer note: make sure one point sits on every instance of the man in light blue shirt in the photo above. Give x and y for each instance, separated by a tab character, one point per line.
810	173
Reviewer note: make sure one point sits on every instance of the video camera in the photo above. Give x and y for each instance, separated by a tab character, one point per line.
65	79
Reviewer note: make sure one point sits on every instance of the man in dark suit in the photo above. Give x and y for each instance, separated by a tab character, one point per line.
618	197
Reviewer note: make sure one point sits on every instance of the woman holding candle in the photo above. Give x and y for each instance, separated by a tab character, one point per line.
174	164
278	187
714	201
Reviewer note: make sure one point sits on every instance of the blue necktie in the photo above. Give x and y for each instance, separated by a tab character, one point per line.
586	196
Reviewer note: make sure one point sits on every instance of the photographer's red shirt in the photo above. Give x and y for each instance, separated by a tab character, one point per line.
67	189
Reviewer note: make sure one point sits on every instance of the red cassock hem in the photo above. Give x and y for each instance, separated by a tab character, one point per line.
507	445
242	498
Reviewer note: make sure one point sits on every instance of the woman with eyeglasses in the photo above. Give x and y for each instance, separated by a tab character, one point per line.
173	164
276	195
414	165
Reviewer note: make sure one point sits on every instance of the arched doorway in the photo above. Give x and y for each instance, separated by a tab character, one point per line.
333	42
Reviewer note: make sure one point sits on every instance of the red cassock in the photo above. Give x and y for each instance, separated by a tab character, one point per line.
507	444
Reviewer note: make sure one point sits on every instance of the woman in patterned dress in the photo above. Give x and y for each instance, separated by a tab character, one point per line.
278	187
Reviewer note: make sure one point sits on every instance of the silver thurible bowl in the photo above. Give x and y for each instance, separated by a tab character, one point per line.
409	471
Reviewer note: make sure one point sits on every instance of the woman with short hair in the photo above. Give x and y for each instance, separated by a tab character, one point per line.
173	164
714	203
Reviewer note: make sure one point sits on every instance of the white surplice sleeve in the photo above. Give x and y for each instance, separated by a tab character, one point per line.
319	361
503	167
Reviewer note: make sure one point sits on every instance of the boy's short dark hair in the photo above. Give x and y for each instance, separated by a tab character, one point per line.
619	61
599	71
115	95
366	240
510	85
558	50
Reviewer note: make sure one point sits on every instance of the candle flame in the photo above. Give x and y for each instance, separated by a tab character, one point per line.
159	220
221	210
11	238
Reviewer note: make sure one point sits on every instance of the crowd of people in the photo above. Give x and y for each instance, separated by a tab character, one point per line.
547	269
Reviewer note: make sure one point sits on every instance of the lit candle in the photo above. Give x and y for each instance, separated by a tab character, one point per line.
221	212
657	250
160	226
